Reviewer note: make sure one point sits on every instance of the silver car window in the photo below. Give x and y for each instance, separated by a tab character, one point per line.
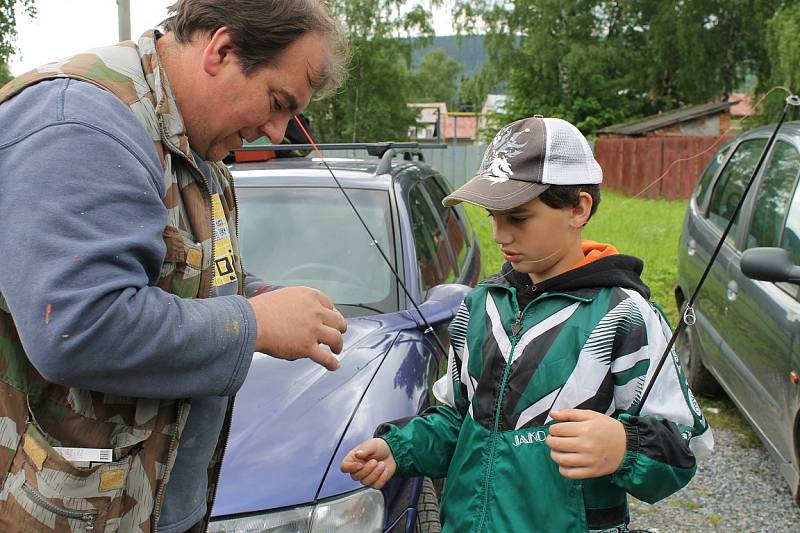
790	239
732	181
774	195
703	185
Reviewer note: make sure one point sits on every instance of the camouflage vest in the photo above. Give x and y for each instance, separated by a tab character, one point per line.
41	490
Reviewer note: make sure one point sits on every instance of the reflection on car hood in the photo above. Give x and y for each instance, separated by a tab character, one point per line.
289	418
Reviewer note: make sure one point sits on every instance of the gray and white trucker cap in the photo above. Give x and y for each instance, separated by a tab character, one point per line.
524	159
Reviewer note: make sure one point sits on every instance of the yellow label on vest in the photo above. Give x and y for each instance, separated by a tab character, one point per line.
224	272
34	451
194	258
112	479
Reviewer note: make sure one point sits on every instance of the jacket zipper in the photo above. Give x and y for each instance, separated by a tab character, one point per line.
173	445
236	230
515	329
517	325
87	517
229	414
218	470
173	450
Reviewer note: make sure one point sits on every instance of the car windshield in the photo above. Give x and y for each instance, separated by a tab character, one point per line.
310	236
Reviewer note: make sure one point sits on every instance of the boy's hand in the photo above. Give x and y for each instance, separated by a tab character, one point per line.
371	463
586	444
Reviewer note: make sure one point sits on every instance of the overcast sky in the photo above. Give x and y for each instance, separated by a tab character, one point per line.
62	28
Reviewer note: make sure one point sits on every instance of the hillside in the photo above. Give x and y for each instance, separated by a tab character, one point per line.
469	51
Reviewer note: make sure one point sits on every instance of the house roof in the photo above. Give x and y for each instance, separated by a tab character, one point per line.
744	104
428	111
662	120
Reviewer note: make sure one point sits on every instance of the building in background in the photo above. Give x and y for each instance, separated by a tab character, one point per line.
699	120
436	124
429	120
488	124
662	156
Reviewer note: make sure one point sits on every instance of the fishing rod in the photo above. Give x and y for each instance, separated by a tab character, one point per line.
428	328
688	317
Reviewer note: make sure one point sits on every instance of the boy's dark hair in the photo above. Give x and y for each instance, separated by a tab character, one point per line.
262	30
561	196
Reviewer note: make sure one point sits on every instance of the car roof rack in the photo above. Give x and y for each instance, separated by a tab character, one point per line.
385	150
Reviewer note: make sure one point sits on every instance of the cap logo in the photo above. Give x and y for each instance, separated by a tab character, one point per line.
495	165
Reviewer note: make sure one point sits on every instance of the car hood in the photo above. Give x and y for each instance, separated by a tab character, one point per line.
289	418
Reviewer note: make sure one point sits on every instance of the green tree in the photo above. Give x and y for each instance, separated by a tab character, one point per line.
596	62
437	79
572	59
371	106
783	52
472	92
9	10
701	49
5	74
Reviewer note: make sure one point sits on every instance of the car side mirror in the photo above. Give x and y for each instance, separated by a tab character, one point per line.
770	264
441	303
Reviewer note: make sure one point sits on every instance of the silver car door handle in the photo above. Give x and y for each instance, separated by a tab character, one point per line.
691	247
733	290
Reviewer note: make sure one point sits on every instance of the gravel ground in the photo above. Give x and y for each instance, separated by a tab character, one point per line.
736	489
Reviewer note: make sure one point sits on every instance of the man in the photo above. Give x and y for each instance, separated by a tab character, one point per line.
124	330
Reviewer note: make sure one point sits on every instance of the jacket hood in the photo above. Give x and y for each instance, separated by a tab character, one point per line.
602	267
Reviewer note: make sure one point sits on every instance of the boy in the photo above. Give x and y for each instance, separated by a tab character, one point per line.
547	360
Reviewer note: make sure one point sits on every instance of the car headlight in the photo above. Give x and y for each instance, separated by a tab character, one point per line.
358	512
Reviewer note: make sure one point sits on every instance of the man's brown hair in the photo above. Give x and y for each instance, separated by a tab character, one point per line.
262	29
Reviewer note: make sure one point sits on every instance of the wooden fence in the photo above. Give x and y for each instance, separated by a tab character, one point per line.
631	165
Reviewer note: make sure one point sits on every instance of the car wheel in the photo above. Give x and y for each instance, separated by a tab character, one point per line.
428	509
700	379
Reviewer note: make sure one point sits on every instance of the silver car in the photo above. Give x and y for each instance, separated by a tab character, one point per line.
747	336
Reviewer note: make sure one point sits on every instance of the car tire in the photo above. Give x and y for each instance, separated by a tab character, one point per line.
428	509
699	378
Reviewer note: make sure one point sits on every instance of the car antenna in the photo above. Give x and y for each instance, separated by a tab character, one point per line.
688	316
428	328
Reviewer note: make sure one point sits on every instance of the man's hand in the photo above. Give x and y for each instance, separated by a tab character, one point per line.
371	463
586	444
293	321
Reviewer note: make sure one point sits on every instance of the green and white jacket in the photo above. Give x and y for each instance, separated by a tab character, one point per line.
587	339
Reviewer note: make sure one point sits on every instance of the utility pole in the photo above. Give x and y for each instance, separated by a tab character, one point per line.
124	10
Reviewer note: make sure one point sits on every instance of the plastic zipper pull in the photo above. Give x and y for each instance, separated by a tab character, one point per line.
517	324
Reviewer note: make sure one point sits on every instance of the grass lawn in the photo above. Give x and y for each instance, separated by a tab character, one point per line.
648	229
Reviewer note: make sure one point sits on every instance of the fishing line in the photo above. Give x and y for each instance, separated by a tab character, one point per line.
688	316
543	258
374	241
713	145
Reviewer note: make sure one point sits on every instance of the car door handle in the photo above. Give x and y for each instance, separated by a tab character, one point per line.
691	247
733	290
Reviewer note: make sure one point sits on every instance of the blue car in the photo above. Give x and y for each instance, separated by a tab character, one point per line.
294	422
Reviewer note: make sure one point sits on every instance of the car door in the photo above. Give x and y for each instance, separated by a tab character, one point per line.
712	302
763	316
